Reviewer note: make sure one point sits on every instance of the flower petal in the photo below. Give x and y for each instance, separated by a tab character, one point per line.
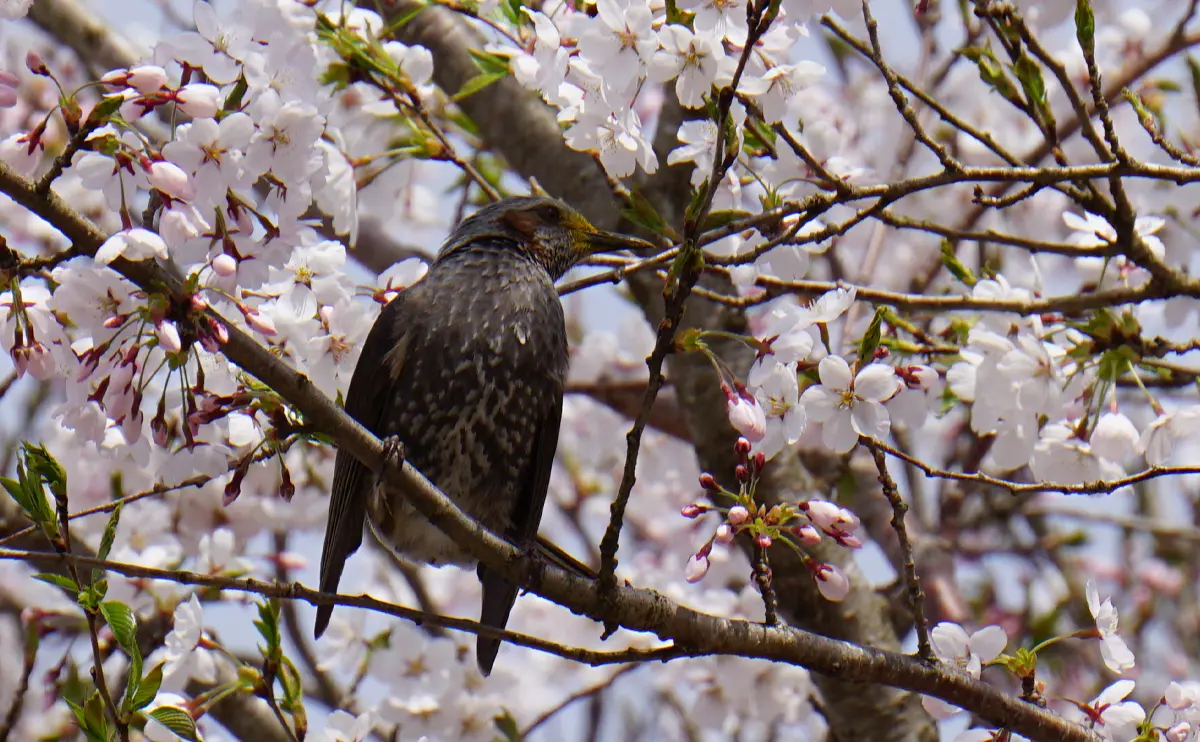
834	372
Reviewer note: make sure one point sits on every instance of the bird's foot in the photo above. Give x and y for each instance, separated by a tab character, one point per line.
393	453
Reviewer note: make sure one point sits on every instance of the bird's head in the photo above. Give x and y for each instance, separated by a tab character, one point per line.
546	230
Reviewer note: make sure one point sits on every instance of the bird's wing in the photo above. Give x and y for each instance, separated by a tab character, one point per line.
379	366
498	593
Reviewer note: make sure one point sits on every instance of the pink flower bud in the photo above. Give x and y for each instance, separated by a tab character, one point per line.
115	79
806	535
709	482
158	427
760	460
725	534
924	375
822	513
199	100
696	568
171	180
261	323
168	336
831	581
220	331
224	265
738	515
747	417
40	363
1178	733
148	78
763	540
115	321
692	510
742	447
742	473
35	64
848	540
198	303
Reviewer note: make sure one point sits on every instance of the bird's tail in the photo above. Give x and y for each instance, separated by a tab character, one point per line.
498	597
554	554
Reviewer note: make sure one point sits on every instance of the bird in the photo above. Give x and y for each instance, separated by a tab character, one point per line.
466	369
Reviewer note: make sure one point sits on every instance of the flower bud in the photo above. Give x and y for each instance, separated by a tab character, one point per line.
822	513
742	447
747	417
725	534
692	510
171	180
763	541
709	482
696	568
35	64
831	581
742	473
738	515
224	265
1178	733
287	490
198	100
806	535
261	323
147	78
168	336
926	377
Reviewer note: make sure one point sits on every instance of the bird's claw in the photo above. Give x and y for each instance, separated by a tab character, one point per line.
393	452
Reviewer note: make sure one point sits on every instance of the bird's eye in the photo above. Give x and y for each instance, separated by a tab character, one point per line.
549	214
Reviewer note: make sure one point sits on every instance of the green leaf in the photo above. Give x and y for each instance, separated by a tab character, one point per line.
1029	74
1194	69
66	583
84	723
992	73
724	217
1085	25
641	212
147	689
41	462
477	83
1115	362
233	101
110	533
268	623
123	624
401	20
488	62
104	110
177	720
508	727
955	266
870	340
93	712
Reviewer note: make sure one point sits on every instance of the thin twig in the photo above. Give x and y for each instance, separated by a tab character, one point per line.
899	508
579	695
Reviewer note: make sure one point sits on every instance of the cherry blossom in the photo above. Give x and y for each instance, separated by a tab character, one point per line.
1117	656
185	658
849	405
965	652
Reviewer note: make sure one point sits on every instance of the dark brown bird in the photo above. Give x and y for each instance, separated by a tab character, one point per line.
466	369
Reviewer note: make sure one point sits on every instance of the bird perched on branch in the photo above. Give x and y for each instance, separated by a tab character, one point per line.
466	369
